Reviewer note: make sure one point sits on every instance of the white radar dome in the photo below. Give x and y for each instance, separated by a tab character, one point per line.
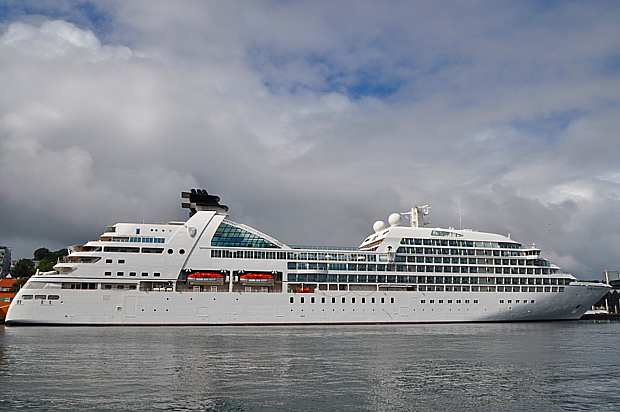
378	226
394	219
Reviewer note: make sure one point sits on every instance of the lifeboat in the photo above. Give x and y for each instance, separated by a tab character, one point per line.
256	279
303	290
206	278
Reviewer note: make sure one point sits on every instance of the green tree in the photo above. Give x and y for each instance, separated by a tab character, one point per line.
59	253
46	265
23	269
42	253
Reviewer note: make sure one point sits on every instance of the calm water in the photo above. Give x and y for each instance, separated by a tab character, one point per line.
565	366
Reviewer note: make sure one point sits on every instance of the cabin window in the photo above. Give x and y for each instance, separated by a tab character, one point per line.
363	300
145	274
391	300
322	300
292	300
108	261
120	273
344	300
352	300
121	261
333	300
382	300
372	300
156	274
108	273
302	300
132	273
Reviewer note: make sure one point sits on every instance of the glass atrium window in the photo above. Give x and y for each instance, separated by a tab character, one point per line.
228	235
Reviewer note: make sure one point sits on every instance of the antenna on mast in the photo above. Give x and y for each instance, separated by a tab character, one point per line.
460	221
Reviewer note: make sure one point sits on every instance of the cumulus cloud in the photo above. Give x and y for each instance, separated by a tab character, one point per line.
314	119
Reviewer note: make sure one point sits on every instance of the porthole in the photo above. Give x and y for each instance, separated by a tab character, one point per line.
182	251
169	251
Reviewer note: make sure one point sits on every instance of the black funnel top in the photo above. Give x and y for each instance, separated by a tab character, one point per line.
199	199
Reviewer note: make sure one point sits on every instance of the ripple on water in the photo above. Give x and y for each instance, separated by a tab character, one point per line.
564	366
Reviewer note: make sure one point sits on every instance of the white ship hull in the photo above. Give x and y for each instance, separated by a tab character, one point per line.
146	274
205	308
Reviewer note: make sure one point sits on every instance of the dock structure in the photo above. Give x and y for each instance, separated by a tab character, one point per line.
608	307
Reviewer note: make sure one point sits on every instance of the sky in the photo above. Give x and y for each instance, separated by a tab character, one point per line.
313	119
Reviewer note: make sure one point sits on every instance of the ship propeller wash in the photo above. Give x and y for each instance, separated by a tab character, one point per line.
210	270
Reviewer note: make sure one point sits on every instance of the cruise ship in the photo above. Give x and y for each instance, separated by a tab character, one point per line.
210	270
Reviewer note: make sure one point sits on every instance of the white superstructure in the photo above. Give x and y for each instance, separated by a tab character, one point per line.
212	271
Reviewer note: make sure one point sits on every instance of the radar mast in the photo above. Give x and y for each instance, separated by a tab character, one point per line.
417	215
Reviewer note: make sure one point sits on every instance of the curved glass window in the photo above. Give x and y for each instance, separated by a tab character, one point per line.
228	235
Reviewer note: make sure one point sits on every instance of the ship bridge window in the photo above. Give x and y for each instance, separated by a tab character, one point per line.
122	249
231	236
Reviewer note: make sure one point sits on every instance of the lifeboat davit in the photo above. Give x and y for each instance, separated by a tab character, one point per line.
257	279
212	278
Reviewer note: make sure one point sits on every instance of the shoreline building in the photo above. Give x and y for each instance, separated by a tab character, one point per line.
5	261
6	296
